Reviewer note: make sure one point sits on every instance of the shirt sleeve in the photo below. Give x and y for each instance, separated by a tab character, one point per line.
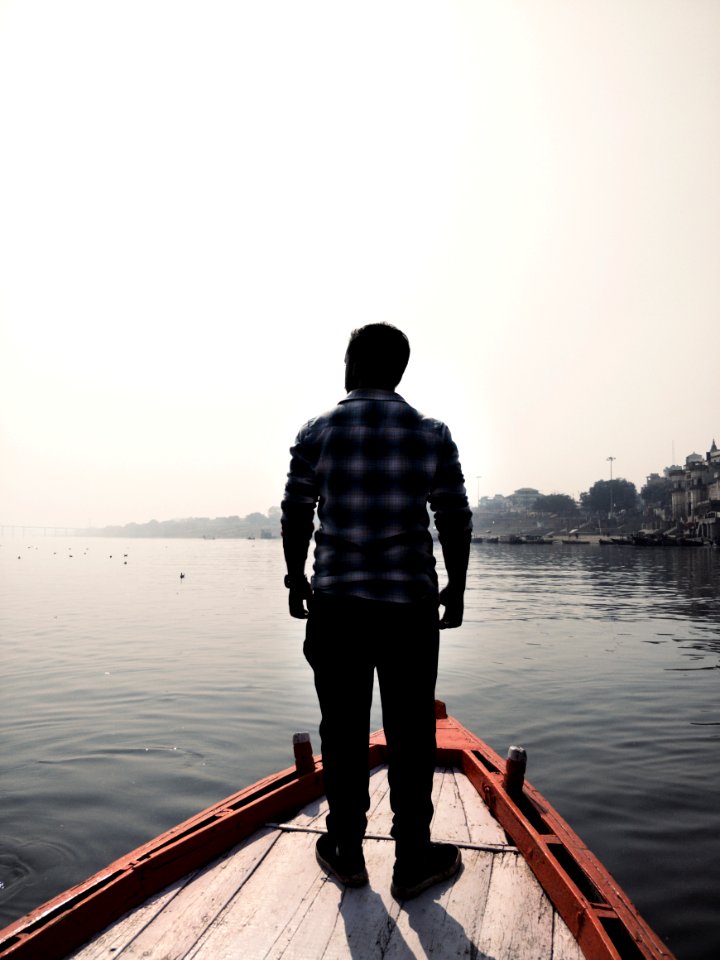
301	494
448	498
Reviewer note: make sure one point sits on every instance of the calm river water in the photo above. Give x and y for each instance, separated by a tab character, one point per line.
133	698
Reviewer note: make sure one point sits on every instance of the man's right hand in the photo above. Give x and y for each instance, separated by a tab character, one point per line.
298	595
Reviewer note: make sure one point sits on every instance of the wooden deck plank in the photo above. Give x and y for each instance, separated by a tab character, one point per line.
309	927
115	938
172	927
369	924
483	827
438	779
379	792
518	919
363	918
313	815
380	813
565	946
444	921
282	888
449	818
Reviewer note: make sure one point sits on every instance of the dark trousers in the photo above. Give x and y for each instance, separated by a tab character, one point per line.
347	639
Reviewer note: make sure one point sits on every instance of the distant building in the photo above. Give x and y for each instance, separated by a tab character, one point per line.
496	504
696	494
523	499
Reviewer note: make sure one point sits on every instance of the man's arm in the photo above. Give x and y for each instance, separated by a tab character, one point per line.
453	520
456	554
298	511
296	542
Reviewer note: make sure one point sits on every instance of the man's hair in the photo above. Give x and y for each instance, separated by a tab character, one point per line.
379	353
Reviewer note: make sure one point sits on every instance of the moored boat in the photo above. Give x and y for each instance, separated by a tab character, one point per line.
531	538
240	879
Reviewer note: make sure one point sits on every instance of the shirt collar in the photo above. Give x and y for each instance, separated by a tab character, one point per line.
372	393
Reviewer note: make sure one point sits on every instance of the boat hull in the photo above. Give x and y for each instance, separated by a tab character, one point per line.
601	918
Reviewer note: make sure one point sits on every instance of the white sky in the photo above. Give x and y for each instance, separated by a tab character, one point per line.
199	201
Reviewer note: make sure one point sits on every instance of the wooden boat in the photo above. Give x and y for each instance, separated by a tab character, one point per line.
534	539
240	879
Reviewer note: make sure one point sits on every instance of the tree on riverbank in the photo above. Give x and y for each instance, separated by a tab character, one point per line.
657	492
253	525
557	504
610	496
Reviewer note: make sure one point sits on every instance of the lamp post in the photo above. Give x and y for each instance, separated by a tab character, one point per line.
611	459
478	478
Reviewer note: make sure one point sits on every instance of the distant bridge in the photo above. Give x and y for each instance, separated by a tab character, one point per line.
30	530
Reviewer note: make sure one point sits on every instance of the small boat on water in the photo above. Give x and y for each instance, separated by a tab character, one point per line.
652	539
240	879
534	539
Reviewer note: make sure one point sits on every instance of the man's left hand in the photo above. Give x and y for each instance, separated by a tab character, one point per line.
454	605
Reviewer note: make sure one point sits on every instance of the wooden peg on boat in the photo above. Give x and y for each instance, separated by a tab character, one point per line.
302	748
515	766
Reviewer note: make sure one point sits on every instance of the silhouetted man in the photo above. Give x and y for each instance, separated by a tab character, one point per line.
372	465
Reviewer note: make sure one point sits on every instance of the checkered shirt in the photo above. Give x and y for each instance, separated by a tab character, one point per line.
372	465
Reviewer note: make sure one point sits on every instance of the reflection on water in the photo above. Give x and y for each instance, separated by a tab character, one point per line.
133	698
618	581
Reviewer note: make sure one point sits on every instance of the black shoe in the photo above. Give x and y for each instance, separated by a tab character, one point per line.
412	875
347	867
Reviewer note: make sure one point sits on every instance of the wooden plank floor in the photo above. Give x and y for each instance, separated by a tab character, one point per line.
268	898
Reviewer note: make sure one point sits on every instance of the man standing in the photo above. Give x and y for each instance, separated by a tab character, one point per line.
372	465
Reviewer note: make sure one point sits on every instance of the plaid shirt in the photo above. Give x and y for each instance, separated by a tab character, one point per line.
372	465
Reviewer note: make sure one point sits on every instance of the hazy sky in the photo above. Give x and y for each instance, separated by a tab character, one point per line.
199	201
